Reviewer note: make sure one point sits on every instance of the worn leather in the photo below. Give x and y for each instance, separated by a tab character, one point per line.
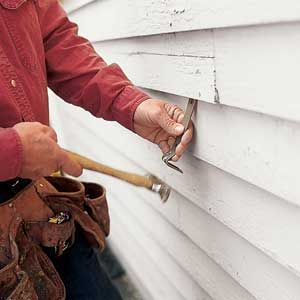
25	271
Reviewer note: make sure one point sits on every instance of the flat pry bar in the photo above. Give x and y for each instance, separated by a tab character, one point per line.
167	157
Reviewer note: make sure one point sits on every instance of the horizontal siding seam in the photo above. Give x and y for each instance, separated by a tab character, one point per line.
261	249
129	212
151	237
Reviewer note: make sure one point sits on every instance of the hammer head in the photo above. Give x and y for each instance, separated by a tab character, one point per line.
160	187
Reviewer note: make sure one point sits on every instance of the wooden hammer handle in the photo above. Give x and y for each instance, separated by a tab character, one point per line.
132	178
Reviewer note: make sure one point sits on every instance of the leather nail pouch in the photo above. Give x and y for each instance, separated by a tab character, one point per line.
96	205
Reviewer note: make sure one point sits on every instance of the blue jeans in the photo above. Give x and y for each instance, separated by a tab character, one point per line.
82	274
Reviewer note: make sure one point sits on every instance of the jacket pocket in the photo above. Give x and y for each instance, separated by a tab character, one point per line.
22	24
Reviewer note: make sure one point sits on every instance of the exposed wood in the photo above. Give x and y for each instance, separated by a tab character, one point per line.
136	18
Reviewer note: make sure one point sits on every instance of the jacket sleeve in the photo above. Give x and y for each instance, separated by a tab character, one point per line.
79	75
10	154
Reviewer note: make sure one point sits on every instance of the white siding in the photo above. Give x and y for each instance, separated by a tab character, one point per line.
230	230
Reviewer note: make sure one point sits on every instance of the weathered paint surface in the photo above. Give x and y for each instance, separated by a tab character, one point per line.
106	20
231	228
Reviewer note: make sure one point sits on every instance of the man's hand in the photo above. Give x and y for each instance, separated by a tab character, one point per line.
41	154
160	123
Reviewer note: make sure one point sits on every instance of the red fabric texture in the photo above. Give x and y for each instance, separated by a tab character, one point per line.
40	47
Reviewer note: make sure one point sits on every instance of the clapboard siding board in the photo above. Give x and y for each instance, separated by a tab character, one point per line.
136	257
136	18
257	68
252	146
242	143
231	253
259	275
189	76
263	263
228	287
253	68
215	191
181	281
174	63
214	280
237	258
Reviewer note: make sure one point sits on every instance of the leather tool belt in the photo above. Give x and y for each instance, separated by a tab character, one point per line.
44	214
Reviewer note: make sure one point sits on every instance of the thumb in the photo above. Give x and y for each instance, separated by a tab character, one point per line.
170	125
69	165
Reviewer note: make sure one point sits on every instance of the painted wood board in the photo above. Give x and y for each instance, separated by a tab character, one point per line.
156	284
251	146
245	263
253	68
208	274
181	281
257	68
183	71
262	277
119	19
226	197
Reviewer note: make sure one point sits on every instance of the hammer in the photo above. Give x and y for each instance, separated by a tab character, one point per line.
149	181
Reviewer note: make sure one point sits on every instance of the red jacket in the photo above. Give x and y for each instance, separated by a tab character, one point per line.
39	46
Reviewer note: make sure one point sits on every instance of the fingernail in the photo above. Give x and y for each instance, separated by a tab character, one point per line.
179	129
175	158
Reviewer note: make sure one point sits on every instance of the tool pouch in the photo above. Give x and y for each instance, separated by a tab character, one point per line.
87	204
25	270
96	205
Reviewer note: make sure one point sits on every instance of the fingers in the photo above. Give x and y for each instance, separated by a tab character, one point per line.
174	112
170	119
167	144
68	165
168	122
179	151
171	141
188	135
164	146
185	140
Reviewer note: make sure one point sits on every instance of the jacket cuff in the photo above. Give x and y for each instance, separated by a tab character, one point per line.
11	153
126	104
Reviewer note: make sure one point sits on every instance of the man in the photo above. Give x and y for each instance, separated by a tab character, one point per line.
39	47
